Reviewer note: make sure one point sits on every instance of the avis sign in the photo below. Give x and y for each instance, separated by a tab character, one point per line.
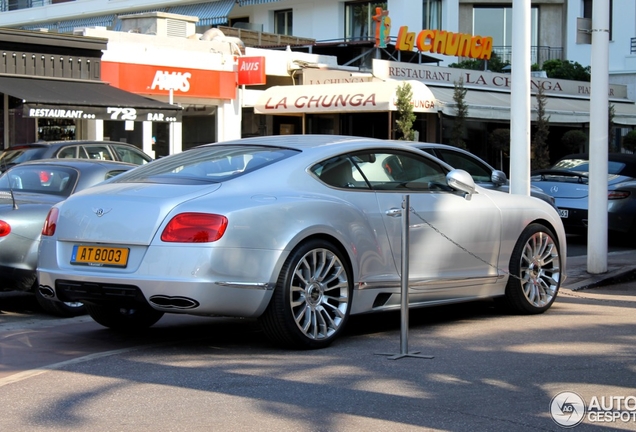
251	71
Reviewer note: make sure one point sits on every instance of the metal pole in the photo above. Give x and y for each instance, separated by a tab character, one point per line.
404	328
404	289
599	100
520	99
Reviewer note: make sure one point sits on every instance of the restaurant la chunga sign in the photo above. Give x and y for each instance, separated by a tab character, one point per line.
434	41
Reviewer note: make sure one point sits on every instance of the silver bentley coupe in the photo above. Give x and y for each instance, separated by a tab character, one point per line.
299	231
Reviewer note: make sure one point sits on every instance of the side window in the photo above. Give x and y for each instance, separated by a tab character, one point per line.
113	173
67	152
129	155
479	172
339	172
81	153
100	152
402	171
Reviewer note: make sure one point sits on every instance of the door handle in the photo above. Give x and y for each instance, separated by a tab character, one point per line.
394	212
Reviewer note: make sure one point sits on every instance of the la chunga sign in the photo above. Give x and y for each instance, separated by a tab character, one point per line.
445	42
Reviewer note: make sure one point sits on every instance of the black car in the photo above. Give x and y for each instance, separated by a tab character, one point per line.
76	149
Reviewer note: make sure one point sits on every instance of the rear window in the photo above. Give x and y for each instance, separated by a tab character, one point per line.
582	166
19	155
208	164
40	179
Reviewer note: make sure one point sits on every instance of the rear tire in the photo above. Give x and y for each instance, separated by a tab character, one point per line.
124	318
54	307
65	310
535	271
312	299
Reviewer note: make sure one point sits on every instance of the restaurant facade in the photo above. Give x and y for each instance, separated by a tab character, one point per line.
51	89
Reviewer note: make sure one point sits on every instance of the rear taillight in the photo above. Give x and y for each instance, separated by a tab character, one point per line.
617	194
195	228
50	223
5	228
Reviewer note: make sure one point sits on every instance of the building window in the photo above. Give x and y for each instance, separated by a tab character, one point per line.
283	22
497	23
432	14
587	13
359	23
587	9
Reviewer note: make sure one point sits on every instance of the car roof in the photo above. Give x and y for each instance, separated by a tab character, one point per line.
60	143
75	162
300	142
311	142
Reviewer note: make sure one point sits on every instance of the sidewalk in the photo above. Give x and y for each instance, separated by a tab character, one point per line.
619	265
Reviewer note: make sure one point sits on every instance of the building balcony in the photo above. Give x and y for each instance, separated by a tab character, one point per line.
538	54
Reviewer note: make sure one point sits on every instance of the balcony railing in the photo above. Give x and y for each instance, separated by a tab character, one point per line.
538	54
10	5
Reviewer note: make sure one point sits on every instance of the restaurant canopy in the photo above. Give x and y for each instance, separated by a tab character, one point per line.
490	105
375	96
90	100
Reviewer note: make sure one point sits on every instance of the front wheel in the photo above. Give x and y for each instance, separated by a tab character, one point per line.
124	318
535	271
312	299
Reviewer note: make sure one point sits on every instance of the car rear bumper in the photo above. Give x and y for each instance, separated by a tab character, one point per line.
577	221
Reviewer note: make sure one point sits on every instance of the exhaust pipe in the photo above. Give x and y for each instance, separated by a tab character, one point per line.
167	302
46	291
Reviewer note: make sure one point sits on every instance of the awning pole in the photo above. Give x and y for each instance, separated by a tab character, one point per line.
304	131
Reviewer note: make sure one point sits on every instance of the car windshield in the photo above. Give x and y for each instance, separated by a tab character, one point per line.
206	164
49	180
582	166
18	155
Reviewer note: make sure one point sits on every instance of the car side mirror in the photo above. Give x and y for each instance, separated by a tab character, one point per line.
460	180
498	178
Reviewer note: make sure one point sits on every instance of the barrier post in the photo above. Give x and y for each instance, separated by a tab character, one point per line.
404	307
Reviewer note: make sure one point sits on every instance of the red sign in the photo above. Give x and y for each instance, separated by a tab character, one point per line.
159	80
251	70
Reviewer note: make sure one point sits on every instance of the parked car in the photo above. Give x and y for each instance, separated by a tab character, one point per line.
299	231
568	181
483	173
27	193
81	149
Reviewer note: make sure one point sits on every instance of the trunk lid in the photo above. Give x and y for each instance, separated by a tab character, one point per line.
122	213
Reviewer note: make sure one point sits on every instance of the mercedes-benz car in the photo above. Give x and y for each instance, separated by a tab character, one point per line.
568	181
300	232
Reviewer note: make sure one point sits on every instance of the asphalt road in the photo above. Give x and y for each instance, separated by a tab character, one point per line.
489	371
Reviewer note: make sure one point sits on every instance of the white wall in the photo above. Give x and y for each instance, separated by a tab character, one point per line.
77	9
623	28
168	51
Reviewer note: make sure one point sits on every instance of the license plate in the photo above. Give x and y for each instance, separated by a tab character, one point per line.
100	256
563	213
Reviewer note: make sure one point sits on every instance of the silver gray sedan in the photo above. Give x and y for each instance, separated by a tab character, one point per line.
299	231
27	193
